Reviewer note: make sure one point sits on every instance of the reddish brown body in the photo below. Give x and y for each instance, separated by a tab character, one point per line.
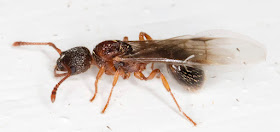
105	56
183	55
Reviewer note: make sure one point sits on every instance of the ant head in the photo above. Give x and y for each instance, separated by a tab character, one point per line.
77	60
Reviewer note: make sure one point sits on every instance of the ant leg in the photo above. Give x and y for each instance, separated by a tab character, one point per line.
99	74
37	43
141	76
125	39
142	35
116	76
152	66
148	37
53	95
127	75
123	74
166	85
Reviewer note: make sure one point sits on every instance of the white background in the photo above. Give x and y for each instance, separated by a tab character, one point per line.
246	100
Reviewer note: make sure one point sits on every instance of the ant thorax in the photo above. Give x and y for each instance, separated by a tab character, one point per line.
105	52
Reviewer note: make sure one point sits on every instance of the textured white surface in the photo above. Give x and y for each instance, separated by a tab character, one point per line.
247	100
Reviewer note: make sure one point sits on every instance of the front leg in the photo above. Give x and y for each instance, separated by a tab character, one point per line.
116	76
99	74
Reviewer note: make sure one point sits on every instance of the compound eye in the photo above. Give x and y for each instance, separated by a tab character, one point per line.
59	66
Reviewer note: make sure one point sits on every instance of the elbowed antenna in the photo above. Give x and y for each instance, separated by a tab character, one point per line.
19	43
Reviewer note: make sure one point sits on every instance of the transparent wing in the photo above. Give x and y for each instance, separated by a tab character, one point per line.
198	50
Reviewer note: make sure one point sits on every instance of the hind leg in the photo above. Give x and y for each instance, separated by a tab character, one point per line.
141	76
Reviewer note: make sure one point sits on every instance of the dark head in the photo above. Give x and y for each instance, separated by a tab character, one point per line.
78	59
107	50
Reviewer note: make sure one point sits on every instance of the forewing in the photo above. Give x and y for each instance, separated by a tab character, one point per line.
194	50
